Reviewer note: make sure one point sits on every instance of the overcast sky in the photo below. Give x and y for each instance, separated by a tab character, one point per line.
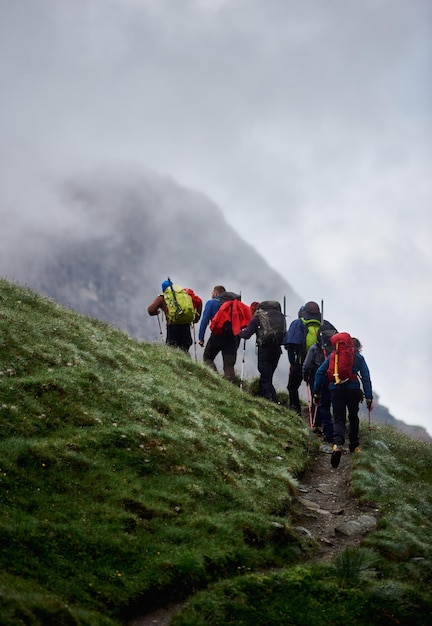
307	121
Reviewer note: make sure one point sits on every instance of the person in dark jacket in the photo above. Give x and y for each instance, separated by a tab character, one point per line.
268	358
315	356
177	335
295	345
345	396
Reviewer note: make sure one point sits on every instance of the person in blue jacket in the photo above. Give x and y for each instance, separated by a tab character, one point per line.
345	396
210	309
295	343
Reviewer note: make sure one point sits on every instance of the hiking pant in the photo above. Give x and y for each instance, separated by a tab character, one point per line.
343	399
323	415
268	359
179	336
226	343
295	378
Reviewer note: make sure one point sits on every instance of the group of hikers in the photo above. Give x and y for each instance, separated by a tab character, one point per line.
330	362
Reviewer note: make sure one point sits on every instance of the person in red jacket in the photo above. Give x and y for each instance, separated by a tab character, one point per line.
231	317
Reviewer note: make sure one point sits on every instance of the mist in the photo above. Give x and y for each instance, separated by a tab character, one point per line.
307	123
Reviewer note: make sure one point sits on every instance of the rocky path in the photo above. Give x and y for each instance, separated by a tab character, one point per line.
329	515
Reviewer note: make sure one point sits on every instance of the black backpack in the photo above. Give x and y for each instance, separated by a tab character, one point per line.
272	324
325	333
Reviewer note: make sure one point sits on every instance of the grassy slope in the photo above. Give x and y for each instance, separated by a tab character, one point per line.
127	470
130	474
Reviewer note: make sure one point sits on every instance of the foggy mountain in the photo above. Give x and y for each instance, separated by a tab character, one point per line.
125	237
112	238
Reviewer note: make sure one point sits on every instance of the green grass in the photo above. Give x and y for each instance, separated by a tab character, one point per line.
388	580
128	472
131	476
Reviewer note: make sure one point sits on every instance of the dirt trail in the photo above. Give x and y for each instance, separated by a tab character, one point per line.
329	514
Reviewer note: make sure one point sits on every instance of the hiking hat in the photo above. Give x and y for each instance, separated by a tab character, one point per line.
357	344
165	285
311	311
312	308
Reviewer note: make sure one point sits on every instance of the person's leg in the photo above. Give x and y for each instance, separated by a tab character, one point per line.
229	360
230	345
294	381
353	399
275	356
339	415
265	368
171	335
326	416
212	349
184	337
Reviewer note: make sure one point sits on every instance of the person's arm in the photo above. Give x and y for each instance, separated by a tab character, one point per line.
250	329
293	341
363	369
309	364
210	308
320	380
157	304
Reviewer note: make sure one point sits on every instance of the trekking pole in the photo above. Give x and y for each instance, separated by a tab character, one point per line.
370	430
160	325
195	348
309	404
314	415
243	363
311	419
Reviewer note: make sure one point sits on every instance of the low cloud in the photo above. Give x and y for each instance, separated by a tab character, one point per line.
307	123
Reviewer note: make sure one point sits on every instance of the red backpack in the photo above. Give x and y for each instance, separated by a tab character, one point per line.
197	304
342	359
233	315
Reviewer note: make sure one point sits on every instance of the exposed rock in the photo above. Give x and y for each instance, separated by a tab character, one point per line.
359	526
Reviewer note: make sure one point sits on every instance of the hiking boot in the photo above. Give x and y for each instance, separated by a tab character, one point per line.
336	456
356	450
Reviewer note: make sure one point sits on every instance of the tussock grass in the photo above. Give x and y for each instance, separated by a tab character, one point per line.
131	476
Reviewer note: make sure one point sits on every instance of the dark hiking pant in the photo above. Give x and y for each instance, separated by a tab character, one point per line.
268	359
295	378
345	399
323	415
179	336
227	344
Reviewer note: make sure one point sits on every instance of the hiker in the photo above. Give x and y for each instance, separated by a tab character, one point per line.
342	368
178	333
268	340
316	355
301	334
225	325
211	307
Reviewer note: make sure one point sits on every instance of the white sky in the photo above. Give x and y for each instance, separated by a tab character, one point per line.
307	122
